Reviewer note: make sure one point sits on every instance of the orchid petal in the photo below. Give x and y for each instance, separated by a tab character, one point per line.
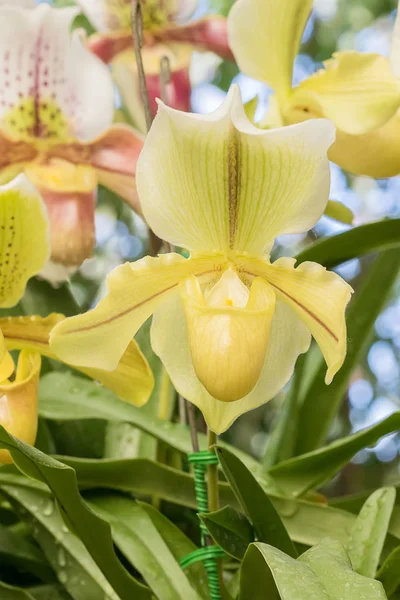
98	338
19	401
53	87
20	3
25	245
317	296
178	89
218	183
358	92
228	343
106	15
209	34
6	361
169	338
265	37
395	46
69	193
108	45
132	380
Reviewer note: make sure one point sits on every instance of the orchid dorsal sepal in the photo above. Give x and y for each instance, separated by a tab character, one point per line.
227	323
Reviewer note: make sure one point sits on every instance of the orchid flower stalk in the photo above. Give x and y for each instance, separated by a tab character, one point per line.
227	324
24	249
56	114
359	92
167	32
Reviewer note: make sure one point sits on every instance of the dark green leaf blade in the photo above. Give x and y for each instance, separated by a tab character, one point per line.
230	530
93	531
255	503
368	534
389	573
365	239
300	474
322	402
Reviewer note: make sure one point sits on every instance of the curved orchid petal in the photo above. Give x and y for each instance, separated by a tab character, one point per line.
358	92
19	401
69	193
25	245
265	37
132	380
216	184
6	361
169	337
52	87
317	296
135	291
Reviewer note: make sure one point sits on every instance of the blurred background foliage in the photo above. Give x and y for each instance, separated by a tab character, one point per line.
364	25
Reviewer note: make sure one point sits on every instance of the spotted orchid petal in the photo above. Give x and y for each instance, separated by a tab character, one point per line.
216	184
317	296
132	379
265	38
51	86
135	291
25	240
358	92
19	401
170	341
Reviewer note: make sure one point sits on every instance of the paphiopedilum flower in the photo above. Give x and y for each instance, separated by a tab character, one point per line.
227	324
359	92
167	32
56	113
24	249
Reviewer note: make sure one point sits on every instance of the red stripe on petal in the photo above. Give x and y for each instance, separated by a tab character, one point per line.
178	90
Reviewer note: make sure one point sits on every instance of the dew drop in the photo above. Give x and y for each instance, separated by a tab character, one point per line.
62	576
48	509
62	561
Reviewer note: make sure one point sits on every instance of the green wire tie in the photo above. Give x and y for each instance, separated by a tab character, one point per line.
207	554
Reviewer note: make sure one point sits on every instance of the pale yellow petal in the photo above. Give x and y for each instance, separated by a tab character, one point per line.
218	183
6	362
25	245
169	336
265	36
132	380
98	338
358	92
228	343
317	296
19	401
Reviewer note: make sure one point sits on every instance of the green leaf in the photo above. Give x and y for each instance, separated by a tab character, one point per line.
141	543
180	546
65	397
324	572
67	555
229	529
368	534
255	503
322	403
365	239
18	551
389	573
93	531
308	471
9	592
41	298
339	211
49	592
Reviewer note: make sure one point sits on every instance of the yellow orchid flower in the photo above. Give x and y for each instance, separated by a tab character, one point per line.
359	92
227	324
56	115
166	32
24	249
